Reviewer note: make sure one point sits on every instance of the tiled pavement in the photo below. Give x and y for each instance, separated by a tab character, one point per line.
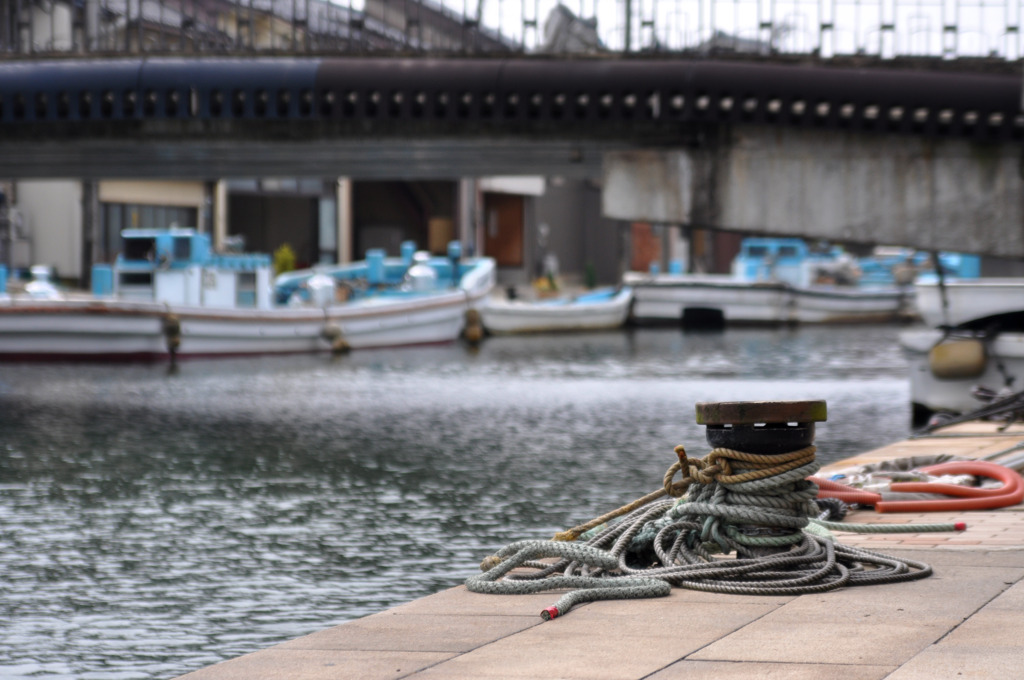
966	620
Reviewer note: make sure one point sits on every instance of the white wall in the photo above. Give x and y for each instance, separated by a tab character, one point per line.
53	217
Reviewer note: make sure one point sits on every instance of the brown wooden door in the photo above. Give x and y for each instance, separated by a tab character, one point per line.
503	229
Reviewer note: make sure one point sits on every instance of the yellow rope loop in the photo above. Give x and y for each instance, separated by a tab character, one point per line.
704	471
710	473
755	460
759	466
674	489
686	467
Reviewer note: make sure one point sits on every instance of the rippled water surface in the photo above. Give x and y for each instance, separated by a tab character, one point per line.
153	524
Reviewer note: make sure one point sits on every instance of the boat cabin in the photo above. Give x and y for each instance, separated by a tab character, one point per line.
792	261
177	266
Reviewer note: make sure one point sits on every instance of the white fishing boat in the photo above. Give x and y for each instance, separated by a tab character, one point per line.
954	302
598	309
706	298
971	348
168	295
773	281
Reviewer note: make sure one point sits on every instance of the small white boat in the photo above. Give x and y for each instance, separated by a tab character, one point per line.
850	304
972	347
959	301
774	281
169	296
598	309
700	299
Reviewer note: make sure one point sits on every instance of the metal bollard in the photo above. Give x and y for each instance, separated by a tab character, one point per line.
761	427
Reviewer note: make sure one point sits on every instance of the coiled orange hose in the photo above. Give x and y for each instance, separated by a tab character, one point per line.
966	497
1011	493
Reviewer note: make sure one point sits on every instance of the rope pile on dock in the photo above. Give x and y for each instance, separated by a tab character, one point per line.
734	522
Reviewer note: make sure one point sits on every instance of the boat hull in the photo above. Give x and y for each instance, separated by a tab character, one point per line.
968	299
518	316
850	305
930	394
94	329
669	298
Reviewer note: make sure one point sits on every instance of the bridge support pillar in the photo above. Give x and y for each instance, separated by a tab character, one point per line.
468	215
344	193
91	225
220	213
934	194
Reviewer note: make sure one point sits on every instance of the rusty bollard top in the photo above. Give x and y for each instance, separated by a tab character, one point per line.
761	427
755	412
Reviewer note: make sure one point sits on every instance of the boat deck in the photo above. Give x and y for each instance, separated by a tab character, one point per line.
963	621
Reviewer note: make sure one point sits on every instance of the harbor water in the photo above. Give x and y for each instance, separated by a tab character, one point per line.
152	523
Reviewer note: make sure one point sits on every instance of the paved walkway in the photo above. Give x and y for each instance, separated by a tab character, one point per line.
966	620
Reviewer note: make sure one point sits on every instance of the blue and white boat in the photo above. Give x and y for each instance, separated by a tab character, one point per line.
598	309
169	295
773	281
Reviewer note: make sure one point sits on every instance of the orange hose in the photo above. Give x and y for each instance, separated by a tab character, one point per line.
1011	493
950	489
830	489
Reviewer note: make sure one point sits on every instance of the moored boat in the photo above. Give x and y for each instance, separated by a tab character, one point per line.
697	299
168	295
602	308
773	281
971	349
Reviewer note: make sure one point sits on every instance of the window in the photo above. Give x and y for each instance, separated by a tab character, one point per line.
182	248
119	216
136	279
140	249
246	289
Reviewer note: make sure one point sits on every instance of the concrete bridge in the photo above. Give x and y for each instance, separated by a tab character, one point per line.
928	157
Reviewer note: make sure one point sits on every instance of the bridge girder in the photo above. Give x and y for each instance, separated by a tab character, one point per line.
954	136
930	194
523	97
367	158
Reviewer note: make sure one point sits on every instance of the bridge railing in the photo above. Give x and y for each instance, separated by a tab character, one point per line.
886	29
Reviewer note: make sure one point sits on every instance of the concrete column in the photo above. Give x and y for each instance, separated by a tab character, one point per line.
220	214
205	218
91	224
477	241
327	227
469	209
344	214
92	25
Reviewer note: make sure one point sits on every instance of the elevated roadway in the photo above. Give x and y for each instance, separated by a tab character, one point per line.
863	153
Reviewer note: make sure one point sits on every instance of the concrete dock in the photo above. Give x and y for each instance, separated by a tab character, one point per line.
964	621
